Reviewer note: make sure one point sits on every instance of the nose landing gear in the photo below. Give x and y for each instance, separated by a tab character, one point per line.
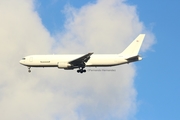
29	69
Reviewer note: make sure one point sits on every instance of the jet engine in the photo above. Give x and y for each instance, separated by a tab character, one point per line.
64	65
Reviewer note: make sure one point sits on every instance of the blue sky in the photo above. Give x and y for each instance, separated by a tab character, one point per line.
158	79
158	84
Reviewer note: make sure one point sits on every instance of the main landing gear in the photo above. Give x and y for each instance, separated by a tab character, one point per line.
81	70
29	69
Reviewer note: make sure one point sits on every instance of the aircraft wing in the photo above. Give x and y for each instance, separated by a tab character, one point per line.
81	60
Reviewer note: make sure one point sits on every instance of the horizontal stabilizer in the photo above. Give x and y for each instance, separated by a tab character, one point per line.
133	59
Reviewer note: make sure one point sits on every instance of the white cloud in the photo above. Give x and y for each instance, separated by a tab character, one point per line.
107	26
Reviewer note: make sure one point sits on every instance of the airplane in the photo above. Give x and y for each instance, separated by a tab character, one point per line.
80	61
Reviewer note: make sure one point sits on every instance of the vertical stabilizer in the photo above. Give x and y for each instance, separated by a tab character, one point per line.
134	47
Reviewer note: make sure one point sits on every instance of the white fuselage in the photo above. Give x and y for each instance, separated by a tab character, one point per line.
72	61
96	60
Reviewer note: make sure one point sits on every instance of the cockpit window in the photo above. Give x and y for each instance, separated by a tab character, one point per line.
24	58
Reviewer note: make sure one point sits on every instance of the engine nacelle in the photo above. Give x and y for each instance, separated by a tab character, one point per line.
62	65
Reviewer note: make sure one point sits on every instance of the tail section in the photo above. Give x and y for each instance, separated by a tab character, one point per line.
133	49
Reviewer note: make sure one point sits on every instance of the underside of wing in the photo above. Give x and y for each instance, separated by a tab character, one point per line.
80	62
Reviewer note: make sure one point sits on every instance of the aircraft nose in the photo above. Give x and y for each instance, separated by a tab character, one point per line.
21	61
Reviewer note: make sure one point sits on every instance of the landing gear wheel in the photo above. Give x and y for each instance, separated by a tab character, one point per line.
29	69
81	70
78	71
